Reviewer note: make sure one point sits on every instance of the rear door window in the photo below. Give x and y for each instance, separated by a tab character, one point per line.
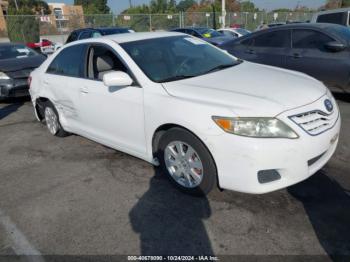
277	39
310	39
71	61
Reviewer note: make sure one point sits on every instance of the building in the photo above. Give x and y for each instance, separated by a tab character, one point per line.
3	11
65	17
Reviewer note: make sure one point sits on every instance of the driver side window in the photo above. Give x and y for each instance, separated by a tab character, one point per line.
101	61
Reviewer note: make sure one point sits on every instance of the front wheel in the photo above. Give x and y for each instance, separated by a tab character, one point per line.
187	162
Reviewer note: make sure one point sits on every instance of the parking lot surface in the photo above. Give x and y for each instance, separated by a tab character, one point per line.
73	196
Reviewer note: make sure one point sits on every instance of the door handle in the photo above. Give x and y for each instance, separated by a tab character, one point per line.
250	51
84	90
296	55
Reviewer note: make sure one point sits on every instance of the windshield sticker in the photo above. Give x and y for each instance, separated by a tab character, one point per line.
195	41
22	50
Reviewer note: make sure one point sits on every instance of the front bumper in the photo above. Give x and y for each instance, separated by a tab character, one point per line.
14	88
239	159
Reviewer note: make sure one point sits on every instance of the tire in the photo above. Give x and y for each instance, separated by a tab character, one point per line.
192	170
52	121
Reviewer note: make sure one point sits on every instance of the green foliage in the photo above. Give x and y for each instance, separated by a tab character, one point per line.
93	6
31	6
185	4
345	3
22	25
248	6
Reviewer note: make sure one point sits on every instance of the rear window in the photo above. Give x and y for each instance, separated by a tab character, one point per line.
334	18
15	51
273	39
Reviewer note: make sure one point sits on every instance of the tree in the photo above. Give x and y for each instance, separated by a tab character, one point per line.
30	7
333	4
248	6
183	5
22	24
93	6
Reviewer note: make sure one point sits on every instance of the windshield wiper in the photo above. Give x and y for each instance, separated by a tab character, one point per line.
174	78
219	67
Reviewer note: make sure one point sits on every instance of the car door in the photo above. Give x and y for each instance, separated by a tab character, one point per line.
112	115
267	48
62	83
309	55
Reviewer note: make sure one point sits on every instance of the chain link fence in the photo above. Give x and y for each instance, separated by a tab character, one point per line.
57	28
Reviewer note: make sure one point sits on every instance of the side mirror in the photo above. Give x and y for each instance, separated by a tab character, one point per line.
117	78
335	46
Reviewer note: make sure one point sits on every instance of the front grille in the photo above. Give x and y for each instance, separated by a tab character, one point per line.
315	122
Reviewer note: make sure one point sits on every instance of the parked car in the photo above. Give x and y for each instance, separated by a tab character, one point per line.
204	116
266	26
210	35
234	32
319	50
85	33
45	46
334	16
16	63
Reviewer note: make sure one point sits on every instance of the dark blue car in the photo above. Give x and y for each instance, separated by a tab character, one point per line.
207	34
319	50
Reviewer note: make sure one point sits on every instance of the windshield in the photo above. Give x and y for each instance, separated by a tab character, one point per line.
15	51
242	31
177	57
208	33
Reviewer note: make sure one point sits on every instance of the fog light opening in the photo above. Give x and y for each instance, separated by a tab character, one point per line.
267	176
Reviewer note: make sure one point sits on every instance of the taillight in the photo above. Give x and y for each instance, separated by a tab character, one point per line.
29	81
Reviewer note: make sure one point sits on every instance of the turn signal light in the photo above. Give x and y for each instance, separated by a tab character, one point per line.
225	124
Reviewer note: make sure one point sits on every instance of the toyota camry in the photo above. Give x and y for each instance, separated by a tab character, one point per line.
203	116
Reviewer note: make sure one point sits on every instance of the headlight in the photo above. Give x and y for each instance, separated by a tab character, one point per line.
3	76
255	127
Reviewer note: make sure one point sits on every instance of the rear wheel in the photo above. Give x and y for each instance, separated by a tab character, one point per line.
187	162
52	120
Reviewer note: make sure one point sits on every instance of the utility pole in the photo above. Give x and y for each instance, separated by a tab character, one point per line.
223	13
130	3
16	5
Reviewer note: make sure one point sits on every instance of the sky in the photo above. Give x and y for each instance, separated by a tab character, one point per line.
119	5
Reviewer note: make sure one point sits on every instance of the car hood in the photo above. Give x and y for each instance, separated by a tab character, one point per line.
16	64
250	89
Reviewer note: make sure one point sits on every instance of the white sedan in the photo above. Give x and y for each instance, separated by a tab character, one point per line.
207	118
234	32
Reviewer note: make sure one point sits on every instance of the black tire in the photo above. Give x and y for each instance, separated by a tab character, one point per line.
209	169
60	131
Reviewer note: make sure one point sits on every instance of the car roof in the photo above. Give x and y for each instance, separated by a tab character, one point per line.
306	25
339	10
130	37
321	26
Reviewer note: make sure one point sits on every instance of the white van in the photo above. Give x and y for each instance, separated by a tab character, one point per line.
335	16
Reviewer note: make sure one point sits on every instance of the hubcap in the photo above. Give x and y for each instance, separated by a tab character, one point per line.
51	120
183	164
